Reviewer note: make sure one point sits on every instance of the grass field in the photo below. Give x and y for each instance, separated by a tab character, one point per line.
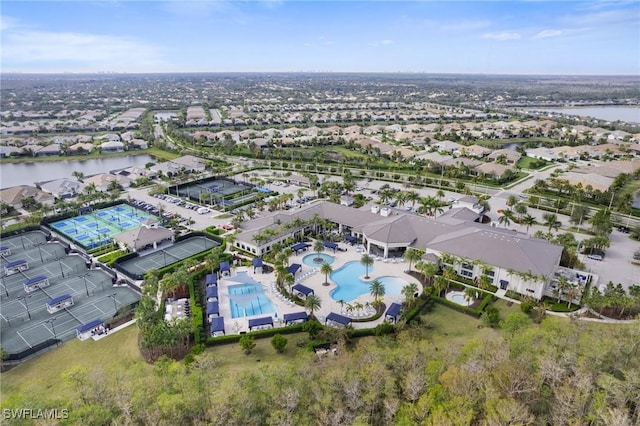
41	375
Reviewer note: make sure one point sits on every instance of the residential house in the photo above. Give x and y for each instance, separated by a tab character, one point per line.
80	148
542	154
62	188
493	170
103	180
112	146
49	150
14	196
510	156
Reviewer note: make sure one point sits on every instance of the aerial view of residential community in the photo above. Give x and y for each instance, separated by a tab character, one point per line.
320	213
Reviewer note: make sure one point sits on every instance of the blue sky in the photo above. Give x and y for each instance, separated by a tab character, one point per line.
492	37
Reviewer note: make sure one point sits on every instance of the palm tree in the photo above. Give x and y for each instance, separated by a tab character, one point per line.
412	255
412	197
366	261
529	221
318	247
512	200
429	270
521	209
506	218
484	282
312	303
440	284
326	269
550	221
469	294
377	290
562	285
409	291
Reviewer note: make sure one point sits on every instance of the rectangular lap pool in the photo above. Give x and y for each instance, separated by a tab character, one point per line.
246	300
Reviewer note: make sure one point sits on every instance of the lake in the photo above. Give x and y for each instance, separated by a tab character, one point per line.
14	174
609	113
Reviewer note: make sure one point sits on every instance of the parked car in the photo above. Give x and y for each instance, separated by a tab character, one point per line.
595	256
624	229
227	227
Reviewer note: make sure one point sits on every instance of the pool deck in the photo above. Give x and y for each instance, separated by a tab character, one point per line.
315	281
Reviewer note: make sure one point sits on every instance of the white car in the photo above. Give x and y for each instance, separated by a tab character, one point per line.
594	257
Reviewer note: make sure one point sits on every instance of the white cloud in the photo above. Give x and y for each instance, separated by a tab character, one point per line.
35	50
502	36
549	33
386	42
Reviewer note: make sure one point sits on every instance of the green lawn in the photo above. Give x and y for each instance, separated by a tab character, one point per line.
41	374
526	163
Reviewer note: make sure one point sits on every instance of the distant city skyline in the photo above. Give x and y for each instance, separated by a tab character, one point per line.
493	37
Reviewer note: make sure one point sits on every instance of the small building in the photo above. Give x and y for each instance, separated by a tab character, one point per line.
32	284
5	251
91	328
393	312
217	326
15	266
59	303
147	236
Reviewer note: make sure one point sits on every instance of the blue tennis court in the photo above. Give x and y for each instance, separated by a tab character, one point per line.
96	228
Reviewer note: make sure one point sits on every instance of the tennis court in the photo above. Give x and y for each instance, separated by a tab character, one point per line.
213	191
27	326
96	228
183	249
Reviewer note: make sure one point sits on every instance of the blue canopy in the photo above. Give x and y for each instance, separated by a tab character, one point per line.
302	289
213	308
224	266
35	280
330	245
296	316
15	263
217	324
394	310
257	322
4	248
212	291
211	279
351	238
257	262
58	299
293	268
340	319
89	325
299	246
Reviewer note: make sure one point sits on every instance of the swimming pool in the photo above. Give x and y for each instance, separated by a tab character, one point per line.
350	286
309	259
458	297
246	300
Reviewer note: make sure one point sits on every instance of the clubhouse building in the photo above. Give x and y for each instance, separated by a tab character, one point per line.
512	260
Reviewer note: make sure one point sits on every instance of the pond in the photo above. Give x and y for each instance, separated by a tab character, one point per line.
14	174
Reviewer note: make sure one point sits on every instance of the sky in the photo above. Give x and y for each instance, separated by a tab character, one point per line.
481	37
